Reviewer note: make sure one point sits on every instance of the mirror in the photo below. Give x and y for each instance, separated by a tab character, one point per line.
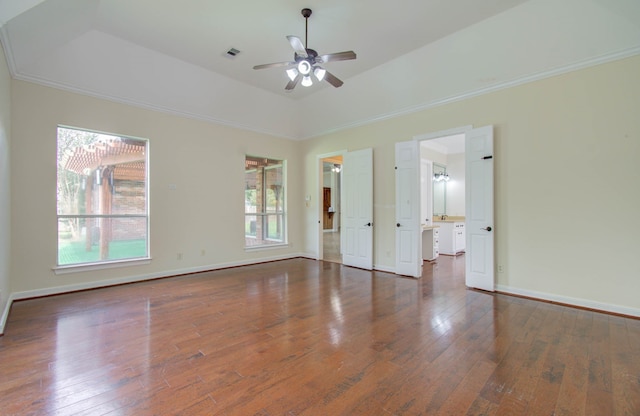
439	189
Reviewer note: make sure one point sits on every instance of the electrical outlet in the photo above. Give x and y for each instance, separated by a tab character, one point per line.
203	252
179	256
500	268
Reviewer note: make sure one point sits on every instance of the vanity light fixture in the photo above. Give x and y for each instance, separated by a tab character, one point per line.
442	176
336	168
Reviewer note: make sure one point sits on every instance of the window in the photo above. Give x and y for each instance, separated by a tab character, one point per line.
264	223
102	198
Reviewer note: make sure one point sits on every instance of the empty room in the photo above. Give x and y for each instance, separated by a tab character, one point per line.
319	208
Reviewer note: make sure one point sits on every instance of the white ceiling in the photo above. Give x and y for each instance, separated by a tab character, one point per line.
412	54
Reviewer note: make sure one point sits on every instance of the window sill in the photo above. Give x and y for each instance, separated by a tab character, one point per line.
266	247
86	267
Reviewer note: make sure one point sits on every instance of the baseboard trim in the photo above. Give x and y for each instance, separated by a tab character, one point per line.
569	301
5	313
57	290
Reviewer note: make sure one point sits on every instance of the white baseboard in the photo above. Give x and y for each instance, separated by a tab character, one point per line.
5	313
130	279
583	303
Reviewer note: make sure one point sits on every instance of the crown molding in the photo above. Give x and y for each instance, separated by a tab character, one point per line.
575	66
587	63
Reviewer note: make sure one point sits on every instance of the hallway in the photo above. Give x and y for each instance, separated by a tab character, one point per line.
331	247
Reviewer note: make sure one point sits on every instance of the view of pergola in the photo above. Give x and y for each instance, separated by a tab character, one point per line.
101	197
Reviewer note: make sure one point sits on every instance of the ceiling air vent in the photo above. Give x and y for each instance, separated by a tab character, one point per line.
232	53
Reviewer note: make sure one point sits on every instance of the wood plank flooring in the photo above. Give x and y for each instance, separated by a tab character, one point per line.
302	337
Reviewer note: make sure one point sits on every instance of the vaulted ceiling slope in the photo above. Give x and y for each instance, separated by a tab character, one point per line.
412	54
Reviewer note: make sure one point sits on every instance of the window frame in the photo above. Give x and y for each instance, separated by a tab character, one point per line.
262	213
109	263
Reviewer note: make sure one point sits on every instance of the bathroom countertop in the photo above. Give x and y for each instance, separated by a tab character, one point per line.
449	219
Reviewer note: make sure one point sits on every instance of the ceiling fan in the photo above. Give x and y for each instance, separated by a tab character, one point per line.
307	61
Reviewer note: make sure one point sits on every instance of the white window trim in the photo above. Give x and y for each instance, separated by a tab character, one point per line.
109	264
86	267
285	239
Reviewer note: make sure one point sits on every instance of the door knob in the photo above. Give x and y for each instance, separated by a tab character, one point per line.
368	224
487	229
398	225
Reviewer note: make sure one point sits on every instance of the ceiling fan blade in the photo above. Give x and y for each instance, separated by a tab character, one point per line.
338	56
274	65
292	84
297	46
332	79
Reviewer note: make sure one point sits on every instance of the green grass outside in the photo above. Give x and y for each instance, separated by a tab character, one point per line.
75	252
272	232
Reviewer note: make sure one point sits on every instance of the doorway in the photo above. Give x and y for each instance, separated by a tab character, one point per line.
476	208
442	199
447	177
331	185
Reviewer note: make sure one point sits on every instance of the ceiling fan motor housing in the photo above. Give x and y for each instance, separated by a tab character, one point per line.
311	56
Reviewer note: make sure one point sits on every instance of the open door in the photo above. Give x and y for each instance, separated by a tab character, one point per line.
479	259
408	229
357	213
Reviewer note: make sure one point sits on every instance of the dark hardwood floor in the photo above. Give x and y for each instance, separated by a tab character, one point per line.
302	337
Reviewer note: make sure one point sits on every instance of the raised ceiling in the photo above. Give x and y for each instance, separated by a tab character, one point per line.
412	54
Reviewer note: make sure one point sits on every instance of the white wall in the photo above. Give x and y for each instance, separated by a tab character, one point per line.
5	187
205	212
564	231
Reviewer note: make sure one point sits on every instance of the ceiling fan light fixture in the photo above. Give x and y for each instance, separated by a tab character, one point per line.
306	60
306	81
319	73
304	67
292	73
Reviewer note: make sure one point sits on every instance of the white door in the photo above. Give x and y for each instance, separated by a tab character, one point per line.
426	192
357	209
479	208
408	229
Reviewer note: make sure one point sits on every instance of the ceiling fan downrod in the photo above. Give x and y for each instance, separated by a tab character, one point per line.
306	13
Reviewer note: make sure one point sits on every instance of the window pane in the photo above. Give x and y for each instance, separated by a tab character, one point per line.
106	175
250	225
275	227
100	174
274	189
250	197
91	240
265	197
